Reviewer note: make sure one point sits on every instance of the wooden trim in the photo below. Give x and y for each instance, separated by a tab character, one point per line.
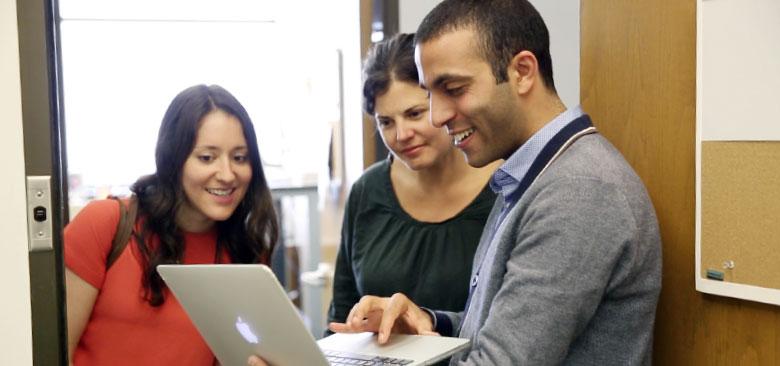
638	82
369	143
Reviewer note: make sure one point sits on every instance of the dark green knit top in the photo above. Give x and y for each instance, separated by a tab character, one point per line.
384	250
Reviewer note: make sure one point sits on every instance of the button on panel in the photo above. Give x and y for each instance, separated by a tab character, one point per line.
38	213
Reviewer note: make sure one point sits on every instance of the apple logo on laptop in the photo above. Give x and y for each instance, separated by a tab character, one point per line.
246	331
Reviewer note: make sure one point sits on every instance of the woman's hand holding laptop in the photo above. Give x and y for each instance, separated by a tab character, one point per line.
255	361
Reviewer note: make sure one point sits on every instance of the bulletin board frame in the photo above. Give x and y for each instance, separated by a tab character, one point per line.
714	284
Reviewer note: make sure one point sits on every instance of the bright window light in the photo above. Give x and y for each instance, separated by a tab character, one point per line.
124	61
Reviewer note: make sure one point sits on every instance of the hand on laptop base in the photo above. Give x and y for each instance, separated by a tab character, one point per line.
385	315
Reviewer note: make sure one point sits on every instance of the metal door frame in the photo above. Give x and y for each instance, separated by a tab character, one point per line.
44	146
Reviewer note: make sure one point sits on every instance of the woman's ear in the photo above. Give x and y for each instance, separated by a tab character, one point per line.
522	71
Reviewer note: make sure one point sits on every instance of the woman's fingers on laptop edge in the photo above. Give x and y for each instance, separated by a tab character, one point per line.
255	361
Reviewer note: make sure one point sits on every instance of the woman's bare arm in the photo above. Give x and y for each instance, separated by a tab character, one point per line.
80	297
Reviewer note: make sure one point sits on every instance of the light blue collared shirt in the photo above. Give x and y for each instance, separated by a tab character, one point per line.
508	176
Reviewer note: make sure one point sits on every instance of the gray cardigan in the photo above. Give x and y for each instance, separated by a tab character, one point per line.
574	271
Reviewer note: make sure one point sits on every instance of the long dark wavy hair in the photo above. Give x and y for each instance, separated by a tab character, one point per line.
247	236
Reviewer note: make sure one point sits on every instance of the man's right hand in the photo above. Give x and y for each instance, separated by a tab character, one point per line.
385	315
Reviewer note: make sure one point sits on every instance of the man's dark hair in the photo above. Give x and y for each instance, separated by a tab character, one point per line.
389	60
503	28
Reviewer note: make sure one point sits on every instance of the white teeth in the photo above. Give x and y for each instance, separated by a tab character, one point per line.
457	138
219	192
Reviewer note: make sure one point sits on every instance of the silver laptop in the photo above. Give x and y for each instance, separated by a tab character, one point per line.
241	310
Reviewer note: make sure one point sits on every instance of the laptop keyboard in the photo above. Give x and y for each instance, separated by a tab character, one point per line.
347	358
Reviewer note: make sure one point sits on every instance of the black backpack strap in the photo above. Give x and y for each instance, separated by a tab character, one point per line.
124	228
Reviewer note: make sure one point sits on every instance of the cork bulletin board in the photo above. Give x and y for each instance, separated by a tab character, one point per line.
738	149
741	211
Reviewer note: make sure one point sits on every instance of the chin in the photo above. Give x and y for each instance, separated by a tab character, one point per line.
417	165
477	162
220	215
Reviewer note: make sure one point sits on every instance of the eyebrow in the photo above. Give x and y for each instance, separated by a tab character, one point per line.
407	110
212	147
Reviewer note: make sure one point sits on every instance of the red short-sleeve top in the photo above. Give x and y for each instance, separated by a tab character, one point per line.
123	328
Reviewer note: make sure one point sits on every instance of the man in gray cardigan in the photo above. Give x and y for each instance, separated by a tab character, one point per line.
569	265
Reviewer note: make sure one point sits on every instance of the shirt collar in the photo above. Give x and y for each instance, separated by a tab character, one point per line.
507	177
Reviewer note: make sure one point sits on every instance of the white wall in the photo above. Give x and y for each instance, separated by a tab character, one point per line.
412	12
353	112
738	84
15	327
563	21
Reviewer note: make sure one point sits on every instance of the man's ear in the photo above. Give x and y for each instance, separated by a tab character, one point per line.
523	71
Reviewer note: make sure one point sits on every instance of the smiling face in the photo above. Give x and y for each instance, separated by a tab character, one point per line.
402	118
482	118
216	174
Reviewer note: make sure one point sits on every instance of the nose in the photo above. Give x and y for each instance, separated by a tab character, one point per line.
225	171
403	130
442	111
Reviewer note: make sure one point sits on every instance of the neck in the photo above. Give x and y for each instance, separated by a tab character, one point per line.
544	110
192	223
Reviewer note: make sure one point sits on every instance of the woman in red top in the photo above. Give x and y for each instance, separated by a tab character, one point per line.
208	202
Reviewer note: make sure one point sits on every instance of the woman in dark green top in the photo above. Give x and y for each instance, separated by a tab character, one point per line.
413	221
